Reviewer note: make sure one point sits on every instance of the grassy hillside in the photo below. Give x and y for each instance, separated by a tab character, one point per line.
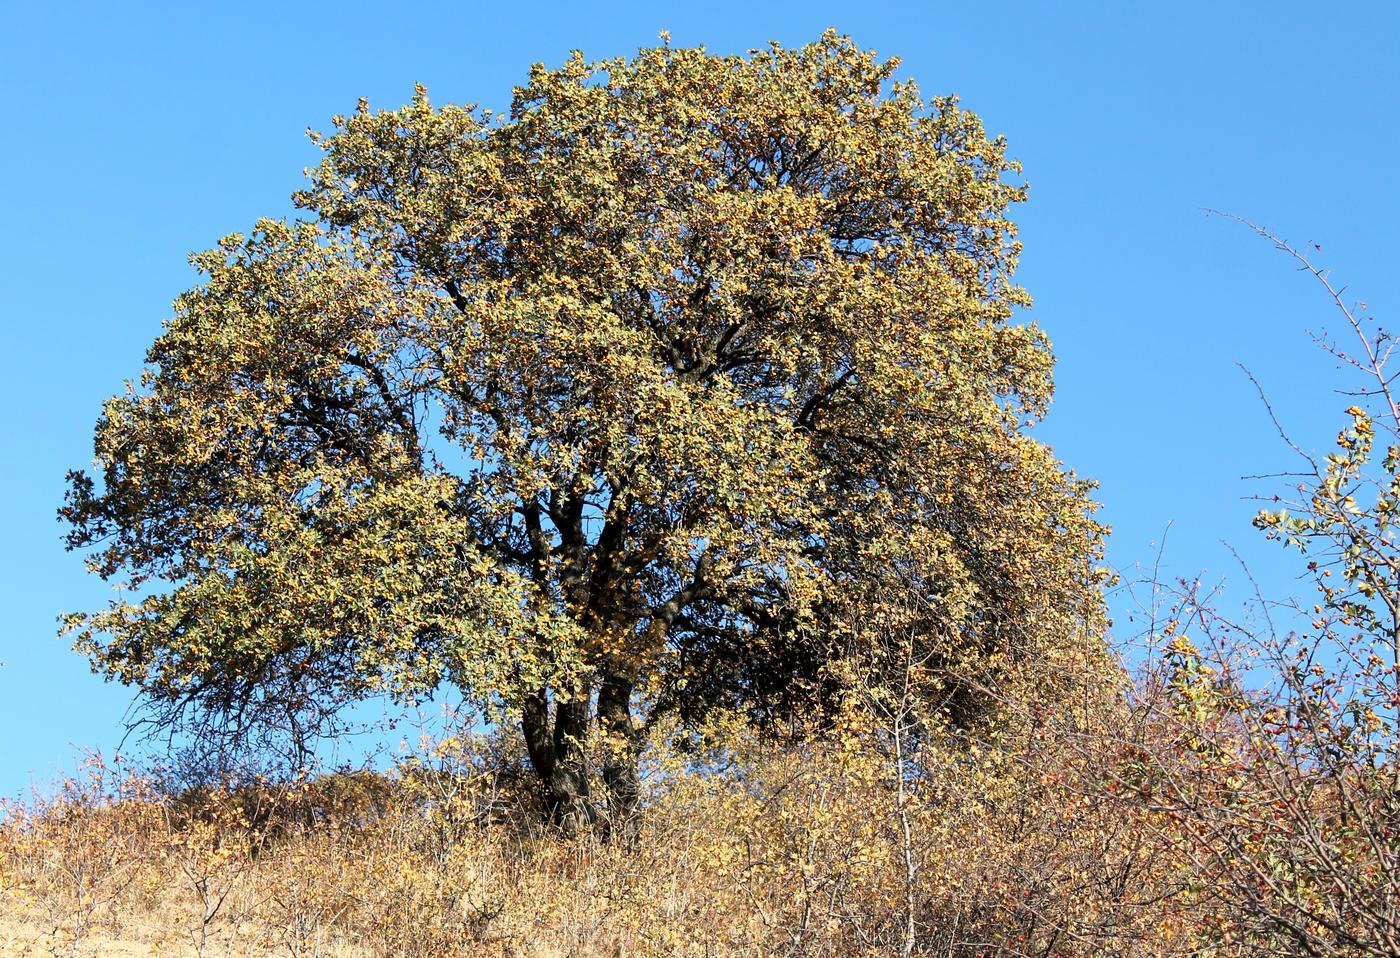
988	848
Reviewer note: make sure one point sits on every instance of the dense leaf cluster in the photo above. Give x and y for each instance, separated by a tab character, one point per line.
627	399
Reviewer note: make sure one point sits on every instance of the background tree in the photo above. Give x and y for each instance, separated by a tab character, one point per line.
613	406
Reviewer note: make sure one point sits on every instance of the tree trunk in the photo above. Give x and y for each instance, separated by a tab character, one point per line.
570	806
559	758
622	748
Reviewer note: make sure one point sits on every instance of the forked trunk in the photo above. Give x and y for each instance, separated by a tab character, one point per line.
570	804
559	758
559	755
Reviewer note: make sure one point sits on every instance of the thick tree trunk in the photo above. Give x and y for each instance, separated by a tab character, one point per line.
558	757
622	748
570	805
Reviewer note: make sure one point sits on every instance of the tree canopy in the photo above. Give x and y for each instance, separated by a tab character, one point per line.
631	401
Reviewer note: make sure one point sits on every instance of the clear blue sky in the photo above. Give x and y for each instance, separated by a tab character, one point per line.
135	133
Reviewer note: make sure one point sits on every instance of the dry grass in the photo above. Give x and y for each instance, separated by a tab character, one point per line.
743	850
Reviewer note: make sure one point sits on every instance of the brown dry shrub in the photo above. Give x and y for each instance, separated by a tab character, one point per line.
797	847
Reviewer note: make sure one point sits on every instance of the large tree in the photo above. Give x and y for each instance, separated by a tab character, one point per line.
617	405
